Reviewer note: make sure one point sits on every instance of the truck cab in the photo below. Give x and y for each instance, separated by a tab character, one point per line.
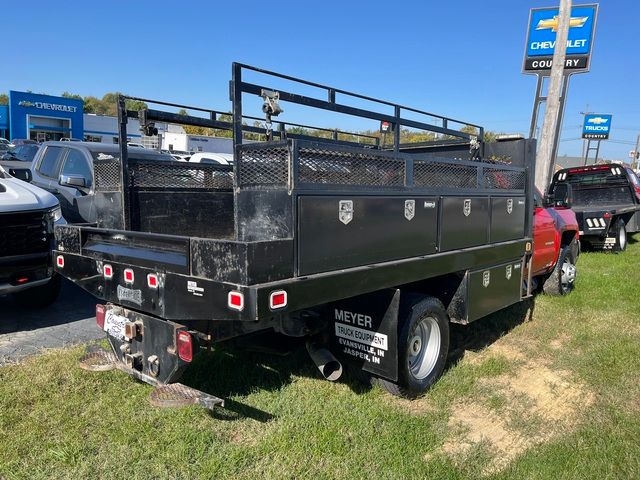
555	244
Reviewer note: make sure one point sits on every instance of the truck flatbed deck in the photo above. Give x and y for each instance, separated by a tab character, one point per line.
304	235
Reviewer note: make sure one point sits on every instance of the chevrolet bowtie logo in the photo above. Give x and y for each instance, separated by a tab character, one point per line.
552	23
26	103
598	120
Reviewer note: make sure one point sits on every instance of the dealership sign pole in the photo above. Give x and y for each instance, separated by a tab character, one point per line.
538	57
596	127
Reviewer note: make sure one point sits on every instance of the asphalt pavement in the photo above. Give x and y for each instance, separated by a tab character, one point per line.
27	331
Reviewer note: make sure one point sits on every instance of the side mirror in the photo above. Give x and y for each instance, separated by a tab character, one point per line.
76	181
23	174
562	196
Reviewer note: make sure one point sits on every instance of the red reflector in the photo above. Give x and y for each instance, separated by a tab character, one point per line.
22	280
107	270
606	215
278	299
185	347
100	311
128	275
235	300
152	280
60	261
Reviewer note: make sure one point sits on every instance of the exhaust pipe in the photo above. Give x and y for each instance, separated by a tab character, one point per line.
329	366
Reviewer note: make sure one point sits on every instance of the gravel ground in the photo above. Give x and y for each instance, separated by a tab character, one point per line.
27	331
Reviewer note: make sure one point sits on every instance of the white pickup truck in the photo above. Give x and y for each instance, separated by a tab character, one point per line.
27	217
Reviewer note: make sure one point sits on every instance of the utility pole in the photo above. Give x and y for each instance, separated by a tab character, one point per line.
544	159
634	161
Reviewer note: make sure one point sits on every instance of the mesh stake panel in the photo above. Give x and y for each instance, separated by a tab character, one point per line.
158	174
107	175
264	165
500	179
436	174
324	166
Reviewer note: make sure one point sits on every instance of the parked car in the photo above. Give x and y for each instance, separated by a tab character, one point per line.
27	218
136	145
21	153
208	157
23	141
4	141
66	170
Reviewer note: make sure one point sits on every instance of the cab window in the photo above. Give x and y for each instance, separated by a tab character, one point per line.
49	165
76	164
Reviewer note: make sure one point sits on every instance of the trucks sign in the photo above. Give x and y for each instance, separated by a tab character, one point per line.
596	126
541	38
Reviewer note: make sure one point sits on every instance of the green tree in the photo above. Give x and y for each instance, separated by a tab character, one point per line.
4	99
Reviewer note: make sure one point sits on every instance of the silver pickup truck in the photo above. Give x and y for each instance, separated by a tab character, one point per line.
27	217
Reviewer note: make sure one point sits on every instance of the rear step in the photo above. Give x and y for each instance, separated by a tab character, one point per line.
170	395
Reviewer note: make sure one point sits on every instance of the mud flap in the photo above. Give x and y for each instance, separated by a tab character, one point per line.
364	332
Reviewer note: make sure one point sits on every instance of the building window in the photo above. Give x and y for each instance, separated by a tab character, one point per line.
92	138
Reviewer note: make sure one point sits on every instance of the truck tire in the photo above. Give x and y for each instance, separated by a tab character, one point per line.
620	234
41	296
561	280
423	344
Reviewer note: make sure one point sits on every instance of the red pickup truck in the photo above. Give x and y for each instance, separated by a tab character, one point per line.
556	245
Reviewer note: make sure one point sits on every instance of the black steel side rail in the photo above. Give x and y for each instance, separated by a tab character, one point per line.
239	87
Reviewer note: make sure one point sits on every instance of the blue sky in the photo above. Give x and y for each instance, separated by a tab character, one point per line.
460	59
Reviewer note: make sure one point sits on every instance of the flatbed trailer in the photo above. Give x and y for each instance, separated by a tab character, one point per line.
367	251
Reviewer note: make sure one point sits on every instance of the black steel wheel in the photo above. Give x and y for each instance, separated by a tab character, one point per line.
423	344
561	281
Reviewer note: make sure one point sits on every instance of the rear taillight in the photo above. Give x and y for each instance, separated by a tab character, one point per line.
107	271
152	280
100	311
60	261
235	301
185	346
278	299
128	275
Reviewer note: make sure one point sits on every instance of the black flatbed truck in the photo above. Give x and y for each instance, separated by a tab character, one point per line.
606	200
367	250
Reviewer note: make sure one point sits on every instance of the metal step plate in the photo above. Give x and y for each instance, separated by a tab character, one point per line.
179	395
98	360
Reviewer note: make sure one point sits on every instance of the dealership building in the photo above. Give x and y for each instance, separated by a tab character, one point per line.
45	117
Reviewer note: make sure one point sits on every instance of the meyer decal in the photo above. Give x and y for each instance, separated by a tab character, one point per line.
193	288
360	335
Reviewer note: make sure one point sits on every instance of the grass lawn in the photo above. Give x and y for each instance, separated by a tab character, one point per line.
550	392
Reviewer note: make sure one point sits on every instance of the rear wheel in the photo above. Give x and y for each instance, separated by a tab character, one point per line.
620	234
41	296
561	280
423	345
